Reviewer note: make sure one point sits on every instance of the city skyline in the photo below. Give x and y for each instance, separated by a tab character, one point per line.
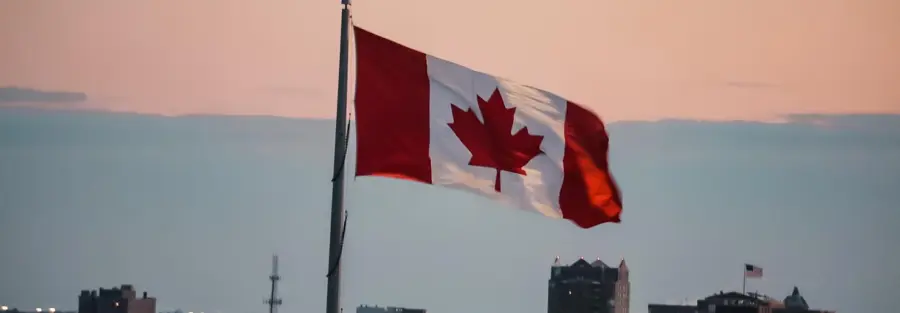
557	263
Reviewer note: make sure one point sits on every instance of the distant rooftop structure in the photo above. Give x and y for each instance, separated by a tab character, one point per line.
588	287
122	299
727	302
595	263
6	309
386	309
671	308
795	300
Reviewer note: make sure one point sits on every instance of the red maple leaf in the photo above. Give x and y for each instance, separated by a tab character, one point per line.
492	143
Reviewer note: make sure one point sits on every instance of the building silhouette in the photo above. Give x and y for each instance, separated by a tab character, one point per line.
115	300
387	309
584	287
736	302
671	308
5	309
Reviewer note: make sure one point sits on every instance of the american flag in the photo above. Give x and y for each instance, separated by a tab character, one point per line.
752	271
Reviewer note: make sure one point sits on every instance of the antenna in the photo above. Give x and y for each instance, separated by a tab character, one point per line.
274	301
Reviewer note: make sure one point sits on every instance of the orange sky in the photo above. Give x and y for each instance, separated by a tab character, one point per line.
634	59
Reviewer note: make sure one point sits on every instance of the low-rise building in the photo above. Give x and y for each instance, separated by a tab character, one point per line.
736	302
386	309
116	300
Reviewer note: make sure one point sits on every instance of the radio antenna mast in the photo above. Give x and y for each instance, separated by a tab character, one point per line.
273	300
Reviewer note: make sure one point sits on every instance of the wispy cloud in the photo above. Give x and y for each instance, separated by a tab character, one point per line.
749	84
882	123
27	95
294	91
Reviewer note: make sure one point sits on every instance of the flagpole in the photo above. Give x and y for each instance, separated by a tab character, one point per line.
744	286
333	296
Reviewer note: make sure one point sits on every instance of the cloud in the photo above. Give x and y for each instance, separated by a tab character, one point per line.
750	84
26	95
295	91
879	123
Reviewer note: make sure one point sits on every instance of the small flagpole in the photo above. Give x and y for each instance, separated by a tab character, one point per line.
744	288
333	296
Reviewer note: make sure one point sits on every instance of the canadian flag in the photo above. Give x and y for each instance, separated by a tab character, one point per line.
428	120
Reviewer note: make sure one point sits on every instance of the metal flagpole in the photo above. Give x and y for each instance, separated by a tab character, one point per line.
333	298
744	288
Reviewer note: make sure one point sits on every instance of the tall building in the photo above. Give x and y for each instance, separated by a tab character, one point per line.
115	300
588	288
388	309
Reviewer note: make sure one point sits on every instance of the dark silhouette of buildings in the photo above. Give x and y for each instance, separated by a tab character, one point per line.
115	300
588	288
671	308
389	309
732	302
736	302
6	309
795	300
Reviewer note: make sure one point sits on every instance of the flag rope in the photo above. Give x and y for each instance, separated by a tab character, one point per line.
334	266
340	169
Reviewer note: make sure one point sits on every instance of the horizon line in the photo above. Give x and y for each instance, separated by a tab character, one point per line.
781	119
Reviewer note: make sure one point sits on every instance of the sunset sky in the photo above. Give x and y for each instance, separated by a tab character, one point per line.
637	59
